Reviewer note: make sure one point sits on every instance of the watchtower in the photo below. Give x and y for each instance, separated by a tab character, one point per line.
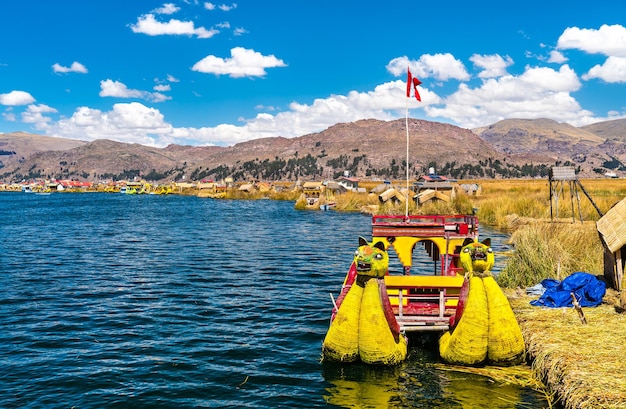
559	176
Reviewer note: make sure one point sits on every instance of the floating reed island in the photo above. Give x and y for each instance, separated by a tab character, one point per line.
582	364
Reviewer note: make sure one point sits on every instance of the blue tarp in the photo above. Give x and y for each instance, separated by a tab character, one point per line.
588	289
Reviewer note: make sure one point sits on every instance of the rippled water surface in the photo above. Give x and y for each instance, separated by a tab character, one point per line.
145	301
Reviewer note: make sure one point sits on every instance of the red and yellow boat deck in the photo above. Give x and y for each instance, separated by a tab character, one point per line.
423	302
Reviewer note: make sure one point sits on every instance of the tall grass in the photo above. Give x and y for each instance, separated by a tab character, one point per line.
352	201
532	198
552	250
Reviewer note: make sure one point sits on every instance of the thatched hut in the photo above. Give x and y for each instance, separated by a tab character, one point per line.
612	229
433	187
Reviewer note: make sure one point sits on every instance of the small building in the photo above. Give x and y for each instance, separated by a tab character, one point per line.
211	189
317	196
312	192
73	185
264	187
247	187
433	186
351	184
471	189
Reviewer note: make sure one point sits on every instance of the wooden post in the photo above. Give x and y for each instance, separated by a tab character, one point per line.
620	279
579	310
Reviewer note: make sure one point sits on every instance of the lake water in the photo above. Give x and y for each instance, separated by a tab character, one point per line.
147	301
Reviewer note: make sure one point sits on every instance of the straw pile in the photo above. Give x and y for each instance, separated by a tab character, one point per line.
582	364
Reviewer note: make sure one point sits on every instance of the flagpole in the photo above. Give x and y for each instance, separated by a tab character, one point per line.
410	80
406	213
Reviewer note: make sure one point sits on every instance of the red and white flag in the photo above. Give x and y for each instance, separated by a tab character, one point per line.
411	80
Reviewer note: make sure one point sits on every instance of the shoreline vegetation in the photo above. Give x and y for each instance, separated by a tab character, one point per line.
577	365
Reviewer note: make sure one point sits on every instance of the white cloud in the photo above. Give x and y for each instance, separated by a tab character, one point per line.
613	70
147	24
439	66
136	123
167	8
243	63
265	108
110	88
131	123
486	94
75	67
209	6
9	115
537	93
608	40
225	7
34	114
492	65
557	57
16	98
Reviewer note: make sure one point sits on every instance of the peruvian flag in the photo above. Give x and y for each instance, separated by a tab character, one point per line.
412	80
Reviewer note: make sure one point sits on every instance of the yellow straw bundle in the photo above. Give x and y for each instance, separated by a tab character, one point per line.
506	342
376	342
341	343
468	343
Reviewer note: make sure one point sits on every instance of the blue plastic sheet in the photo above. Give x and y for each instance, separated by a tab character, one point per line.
587	288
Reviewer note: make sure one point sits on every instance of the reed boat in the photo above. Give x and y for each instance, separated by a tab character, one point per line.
457	297
424	298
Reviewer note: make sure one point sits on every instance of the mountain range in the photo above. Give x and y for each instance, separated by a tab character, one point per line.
365	148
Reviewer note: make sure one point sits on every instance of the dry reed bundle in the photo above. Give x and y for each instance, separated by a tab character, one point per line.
613	226
582	364
551	250
519	375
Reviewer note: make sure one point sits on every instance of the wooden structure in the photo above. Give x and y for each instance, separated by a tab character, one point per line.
558	177
612	229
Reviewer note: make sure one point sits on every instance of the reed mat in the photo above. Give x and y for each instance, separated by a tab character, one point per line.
581	364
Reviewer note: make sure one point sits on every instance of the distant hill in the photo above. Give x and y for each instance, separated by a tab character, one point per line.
551	142
366	148
19	146
615	129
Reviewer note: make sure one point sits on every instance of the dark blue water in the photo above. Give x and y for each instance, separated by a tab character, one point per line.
145	301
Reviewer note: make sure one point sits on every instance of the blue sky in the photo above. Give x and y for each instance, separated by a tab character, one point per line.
211	73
